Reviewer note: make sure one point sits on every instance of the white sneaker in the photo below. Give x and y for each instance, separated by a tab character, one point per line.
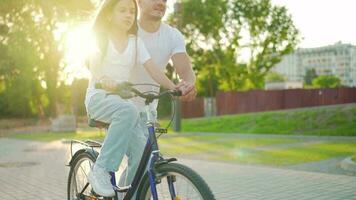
99	179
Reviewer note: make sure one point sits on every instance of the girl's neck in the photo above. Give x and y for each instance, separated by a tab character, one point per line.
119	39
148	25
118	35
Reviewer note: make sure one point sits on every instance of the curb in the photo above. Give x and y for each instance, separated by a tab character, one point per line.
348	164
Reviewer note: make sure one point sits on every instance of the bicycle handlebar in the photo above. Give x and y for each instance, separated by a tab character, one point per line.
126	90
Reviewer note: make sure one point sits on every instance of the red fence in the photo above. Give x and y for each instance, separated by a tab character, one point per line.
193	109
262	100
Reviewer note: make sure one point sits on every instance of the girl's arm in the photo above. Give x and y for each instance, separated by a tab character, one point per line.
158	75
96	72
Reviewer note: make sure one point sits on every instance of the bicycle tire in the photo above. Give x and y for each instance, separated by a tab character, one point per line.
195	179
73	167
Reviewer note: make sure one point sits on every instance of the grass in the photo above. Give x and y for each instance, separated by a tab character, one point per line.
297	155
213	144
266	151
353	158
333	120
329	120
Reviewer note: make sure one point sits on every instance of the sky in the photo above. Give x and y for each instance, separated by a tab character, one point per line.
321	22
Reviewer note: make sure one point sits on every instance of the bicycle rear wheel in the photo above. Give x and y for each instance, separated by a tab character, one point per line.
78	187
187	184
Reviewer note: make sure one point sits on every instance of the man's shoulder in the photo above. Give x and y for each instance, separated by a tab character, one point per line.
169	29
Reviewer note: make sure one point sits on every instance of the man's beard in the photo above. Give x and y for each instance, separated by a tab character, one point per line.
153	18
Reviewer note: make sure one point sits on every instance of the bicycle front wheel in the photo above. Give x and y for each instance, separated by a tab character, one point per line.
187	184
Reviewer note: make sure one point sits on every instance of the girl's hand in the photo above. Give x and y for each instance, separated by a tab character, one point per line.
108	83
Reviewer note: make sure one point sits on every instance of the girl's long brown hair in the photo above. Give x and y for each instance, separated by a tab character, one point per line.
101	24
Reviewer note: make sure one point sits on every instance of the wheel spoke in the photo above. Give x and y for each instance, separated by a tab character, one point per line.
184	189
79	180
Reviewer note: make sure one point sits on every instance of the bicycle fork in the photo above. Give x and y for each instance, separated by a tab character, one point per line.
154	178
152	175
153	158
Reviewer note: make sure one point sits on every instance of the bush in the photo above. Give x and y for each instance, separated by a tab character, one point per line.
327	81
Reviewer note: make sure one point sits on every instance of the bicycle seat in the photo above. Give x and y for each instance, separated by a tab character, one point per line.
97	124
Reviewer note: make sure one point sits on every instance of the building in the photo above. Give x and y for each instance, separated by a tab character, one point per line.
338	60
284	85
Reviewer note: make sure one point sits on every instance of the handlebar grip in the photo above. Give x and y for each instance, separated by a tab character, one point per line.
176	93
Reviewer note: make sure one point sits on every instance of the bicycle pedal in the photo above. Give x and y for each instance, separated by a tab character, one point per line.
161	130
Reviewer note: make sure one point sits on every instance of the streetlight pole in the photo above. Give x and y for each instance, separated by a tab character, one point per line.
177	104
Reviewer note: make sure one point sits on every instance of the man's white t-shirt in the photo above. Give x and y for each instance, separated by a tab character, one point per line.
118	65
161	45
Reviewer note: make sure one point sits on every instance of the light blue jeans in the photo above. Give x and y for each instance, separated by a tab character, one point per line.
127	133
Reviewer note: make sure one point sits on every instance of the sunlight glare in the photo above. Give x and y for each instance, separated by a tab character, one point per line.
79	44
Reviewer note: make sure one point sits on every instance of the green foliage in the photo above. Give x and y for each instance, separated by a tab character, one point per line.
20	91
310	75
274	77
219	32
31	54
326	81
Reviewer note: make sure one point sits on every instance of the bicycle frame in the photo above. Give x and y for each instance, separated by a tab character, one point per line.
149	159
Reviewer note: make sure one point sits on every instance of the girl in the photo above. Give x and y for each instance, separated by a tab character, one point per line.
115	28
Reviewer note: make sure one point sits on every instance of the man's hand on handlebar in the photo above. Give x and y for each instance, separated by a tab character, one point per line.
188	91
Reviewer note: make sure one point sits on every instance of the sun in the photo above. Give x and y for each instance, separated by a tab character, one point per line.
79	44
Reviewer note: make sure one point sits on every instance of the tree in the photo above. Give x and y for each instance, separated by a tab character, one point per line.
310	75
78	90
326	81
20	92
34	52
220	33
274	77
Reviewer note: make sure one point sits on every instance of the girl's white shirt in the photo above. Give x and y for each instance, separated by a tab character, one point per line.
117	65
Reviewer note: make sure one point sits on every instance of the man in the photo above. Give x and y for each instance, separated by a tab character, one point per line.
164	43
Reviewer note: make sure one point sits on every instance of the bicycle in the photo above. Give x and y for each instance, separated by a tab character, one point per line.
156	178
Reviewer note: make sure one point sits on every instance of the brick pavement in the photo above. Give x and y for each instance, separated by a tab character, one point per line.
36	170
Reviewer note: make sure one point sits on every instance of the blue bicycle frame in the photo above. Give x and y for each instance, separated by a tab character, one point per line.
148	163
150	158
152	140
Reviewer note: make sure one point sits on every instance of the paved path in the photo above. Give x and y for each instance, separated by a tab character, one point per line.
35	170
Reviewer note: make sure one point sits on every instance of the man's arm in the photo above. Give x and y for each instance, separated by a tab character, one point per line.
159	76
183	66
